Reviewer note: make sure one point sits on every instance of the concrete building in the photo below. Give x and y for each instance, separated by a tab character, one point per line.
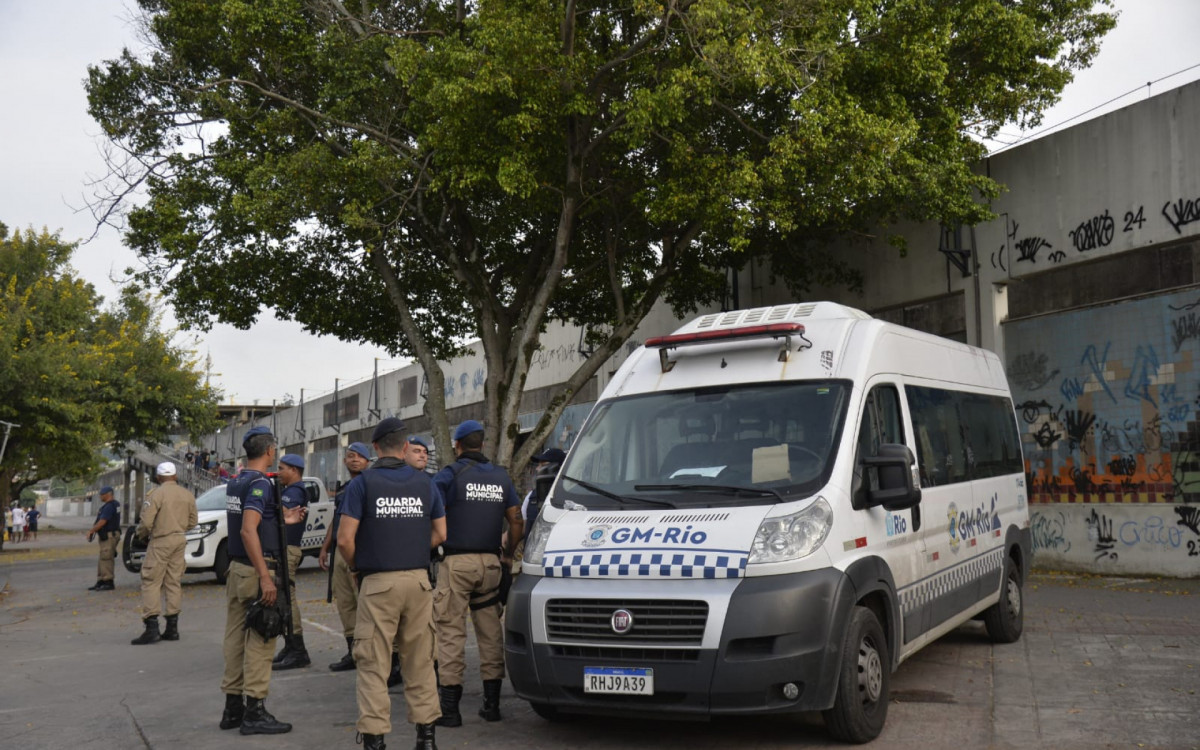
1088	286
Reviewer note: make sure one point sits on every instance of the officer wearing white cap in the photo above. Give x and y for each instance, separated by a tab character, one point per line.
479	497
391	517
294	654
168	512
343	587
255	553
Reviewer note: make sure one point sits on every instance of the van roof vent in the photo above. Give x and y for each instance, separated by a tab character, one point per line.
780	312
755	315
730	318
708	321
803	311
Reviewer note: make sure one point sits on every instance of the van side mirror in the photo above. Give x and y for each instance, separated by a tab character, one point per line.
896	489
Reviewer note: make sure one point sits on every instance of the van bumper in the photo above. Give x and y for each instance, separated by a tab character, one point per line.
775	630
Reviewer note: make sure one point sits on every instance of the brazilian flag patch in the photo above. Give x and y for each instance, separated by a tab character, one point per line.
256	493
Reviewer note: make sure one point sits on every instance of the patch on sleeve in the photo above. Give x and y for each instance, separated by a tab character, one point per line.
256	493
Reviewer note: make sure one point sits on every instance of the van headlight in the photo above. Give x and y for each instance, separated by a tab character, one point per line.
536	539
782	538
202	530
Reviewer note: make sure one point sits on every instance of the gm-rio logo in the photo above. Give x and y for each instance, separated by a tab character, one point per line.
896	525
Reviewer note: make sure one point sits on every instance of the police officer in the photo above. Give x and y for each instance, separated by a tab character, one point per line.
108	528
255	553
168	512
391	517
291	470
479	496
345	588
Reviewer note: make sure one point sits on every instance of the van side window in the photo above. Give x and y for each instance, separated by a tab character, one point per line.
963	436
881	423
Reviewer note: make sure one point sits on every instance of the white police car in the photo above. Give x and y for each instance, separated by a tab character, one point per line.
206	541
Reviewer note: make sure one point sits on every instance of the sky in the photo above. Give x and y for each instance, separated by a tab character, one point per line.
50	149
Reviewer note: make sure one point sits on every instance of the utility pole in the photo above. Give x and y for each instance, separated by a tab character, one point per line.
7	428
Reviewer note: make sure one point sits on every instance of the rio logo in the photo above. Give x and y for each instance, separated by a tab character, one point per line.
896	525
669	535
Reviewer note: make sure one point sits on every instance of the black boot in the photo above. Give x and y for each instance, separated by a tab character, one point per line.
172	631
105	586
371	741
347	661
297	657
257	720
150	634
425	737
235	709
395	678
283	652
96	586
449	696
491	700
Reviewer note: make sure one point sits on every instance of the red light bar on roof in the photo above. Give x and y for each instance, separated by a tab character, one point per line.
772	330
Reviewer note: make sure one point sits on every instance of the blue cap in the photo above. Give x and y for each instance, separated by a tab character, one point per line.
106	490
360	449
419	441
386	427
466	428
552	455
255	432
293	459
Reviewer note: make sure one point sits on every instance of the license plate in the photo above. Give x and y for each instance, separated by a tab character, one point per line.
618	680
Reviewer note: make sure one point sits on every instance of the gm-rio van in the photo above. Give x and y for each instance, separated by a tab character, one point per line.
768	511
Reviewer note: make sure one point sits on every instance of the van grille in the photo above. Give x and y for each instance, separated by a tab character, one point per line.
654	620
624	519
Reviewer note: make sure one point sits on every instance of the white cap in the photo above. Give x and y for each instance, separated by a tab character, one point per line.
165	469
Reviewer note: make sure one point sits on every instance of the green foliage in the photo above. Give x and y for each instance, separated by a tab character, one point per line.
515	162
75	377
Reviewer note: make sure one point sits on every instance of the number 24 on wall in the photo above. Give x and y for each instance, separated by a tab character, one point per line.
1131	219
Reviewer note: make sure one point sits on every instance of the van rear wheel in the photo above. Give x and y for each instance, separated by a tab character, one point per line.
1005	619
861	702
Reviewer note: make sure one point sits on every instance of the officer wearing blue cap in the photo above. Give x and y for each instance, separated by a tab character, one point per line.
391	517
479	497
291	470
255	553
343	589
108	528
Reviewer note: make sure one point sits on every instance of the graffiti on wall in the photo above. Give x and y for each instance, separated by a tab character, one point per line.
1113	419
1109	534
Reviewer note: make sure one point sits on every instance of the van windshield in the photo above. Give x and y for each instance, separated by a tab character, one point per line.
732	445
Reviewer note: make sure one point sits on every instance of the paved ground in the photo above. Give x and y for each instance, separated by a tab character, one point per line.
1103	663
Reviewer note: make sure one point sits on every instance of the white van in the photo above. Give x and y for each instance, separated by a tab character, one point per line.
768	511
207	548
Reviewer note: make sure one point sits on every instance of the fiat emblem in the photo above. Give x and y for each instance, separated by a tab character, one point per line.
621	621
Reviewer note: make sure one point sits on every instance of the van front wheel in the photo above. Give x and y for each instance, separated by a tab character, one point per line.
861	702
1005	619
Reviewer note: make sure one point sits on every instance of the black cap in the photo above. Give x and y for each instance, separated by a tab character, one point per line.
386	427
551	455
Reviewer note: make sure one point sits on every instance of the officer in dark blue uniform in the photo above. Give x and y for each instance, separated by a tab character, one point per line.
391	516
255	554
108	528
479	497
294	654
342	585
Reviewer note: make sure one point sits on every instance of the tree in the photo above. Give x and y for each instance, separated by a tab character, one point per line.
482	169
75	377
